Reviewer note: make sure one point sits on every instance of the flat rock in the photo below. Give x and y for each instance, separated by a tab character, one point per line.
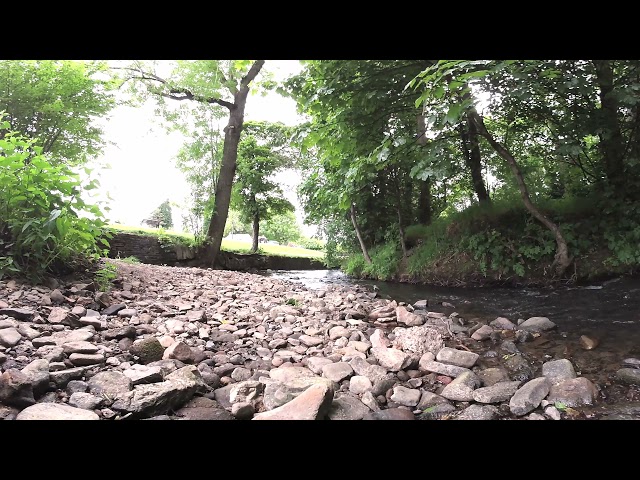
337	371
390	414
55	411
496	393
444	369
9	337
347	407
462	387
391	358
478	412
80	347
537	324
453	356
109	384
140	374
316	364
629	375
574	392
418	340
85	401
359	384
18	313
312	404
528	397
406	396
298	378
482	333
558	370
16	389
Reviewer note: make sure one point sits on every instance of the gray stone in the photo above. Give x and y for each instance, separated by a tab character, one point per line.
537	324
180	351
80	347
493	375
82	359
421	304
38	373
223	394
502	323
483	333
575	392
8	323
28	332
241	374
315	364
424	359
520	368
245	392
407	318
444	369
59	315
438	411
128	331
406	396
66	336
381	385
337	371
359	384
9	337
18	313
113	309
478	412
243	410
56	296
62	377
159	398
95	322
391	358
418	340
77	386
312	404
55	411
109	384
299	378
496	393
453	356
529	396
390	414
52	353
370	401
629	375
558	371
310	341
346	407
379	340
140	374
85	401
429	399
462	387
16	389
127	312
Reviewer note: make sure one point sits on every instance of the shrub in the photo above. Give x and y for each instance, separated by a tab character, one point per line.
45	224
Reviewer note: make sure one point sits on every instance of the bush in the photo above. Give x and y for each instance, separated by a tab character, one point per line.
44	223
311	243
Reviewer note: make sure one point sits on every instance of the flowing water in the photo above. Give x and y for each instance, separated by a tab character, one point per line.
608	312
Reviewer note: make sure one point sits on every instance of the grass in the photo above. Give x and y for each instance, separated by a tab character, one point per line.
228	245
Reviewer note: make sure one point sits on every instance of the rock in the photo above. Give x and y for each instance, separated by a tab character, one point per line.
38	373
575	392
496	393
316	364
67	336
523	336
438	412
631	362
245	392
629	375
180	351
85	401
62	377
444	369
337	371
109	384
77	386
558	370
381	385
359	384
429	399
120	333
520	368
482	333
26	331
18	313
537	324
82	359
310	341
346	407
407	318
59	315
493	375
478	412
421	304
529	396
338	331
9	323
378	339
588	343
241	374
147	350
51	353
453	356
502	323
462	387
16	389
202	408
391	358
242	411
390	414
113	309
312	404
80	347
140	374
55	411
406	396
127	312
299	378
159	398
418	340
9	337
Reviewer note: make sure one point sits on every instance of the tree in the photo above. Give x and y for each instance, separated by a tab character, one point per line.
260	156
283	228
163	215
57	103
224	83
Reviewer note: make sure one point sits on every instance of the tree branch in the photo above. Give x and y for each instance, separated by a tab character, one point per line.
252	73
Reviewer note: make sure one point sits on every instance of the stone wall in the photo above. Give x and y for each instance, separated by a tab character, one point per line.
148	249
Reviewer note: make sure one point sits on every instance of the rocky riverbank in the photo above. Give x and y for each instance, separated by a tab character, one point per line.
189	343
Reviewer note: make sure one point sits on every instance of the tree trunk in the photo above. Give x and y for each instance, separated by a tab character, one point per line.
256	232
424	201
228	167
562	260
355	226
611	140
396	183
473	159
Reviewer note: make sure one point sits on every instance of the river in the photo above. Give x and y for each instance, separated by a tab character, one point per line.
608	312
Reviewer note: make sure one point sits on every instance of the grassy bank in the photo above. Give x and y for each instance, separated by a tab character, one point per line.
503	244
227	245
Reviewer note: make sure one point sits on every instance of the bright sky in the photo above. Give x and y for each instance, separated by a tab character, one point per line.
143	172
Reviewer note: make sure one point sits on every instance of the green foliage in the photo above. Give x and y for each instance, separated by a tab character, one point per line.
162	215
311	243
44	221
283	228
130	260
384	263
56	103
292	301
105	275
